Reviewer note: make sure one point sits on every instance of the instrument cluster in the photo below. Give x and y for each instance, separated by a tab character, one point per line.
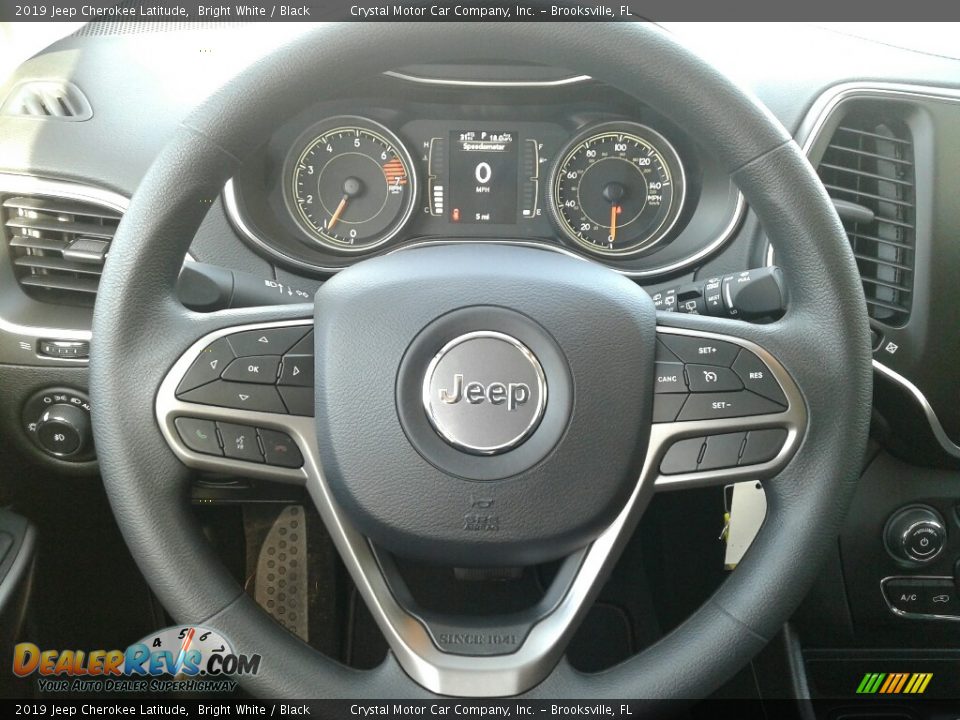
627	188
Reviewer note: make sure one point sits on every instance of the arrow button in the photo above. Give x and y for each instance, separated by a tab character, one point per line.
296	371
207	366
243	396
273	341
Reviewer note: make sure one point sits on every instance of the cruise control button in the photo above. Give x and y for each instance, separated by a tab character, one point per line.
299	401
280	449
240	442
722	451
271	341
198	435
701	350
682	457
713	406
297	370
762	446
669	378
207	367
243	396
260	369
666	407
757	377
712	378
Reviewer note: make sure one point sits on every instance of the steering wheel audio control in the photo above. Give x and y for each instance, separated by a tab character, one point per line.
915	534
58	422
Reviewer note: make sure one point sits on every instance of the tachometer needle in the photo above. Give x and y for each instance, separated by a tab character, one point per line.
338	212
614	211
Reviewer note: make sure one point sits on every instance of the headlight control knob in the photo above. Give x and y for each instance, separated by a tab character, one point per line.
63	430
58	422
915	534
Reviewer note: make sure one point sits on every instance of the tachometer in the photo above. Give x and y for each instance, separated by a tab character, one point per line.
350	184
617	189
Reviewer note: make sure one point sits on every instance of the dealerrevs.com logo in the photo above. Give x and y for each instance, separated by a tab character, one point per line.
191	659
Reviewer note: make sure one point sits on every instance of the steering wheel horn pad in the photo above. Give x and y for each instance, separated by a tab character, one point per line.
377	327
820	358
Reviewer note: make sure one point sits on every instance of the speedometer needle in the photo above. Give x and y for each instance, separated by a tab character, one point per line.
614	211
338	212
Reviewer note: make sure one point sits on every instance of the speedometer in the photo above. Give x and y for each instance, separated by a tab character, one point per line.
350	184
617	189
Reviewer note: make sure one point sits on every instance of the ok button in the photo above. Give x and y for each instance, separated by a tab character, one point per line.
261	369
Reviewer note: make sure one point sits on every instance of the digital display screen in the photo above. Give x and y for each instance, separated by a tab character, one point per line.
483	176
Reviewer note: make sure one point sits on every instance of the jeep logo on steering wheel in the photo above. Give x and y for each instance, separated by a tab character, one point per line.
486	414
496	393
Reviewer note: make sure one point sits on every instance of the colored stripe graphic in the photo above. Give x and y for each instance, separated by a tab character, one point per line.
894	683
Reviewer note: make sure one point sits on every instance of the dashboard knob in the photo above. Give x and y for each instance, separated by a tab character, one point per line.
64	430
915	534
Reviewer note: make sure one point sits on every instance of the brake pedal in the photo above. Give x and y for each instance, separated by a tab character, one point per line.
281	580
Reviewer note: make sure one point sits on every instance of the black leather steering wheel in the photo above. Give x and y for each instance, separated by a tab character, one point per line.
397	310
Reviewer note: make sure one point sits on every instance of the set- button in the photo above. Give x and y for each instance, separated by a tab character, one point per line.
239	442
268	370
702	379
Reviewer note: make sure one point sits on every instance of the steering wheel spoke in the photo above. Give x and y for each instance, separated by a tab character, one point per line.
725	407
447	653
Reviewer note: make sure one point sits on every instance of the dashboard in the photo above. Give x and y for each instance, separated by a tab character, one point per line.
579	168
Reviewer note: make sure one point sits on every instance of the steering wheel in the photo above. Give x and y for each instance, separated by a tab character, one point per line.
504	466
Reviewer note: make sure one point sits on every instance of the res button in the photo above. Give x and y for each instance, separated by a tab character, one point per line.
756	377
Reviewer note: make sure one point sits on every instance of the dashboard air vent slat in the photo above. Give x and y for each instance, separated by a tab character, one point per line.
55	263
85	285
50	99
58	223
868	169
38	243
58	246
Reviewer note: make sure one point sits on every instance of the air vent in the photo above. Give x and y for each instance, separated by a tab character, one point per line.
47	99
868	171
57	246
